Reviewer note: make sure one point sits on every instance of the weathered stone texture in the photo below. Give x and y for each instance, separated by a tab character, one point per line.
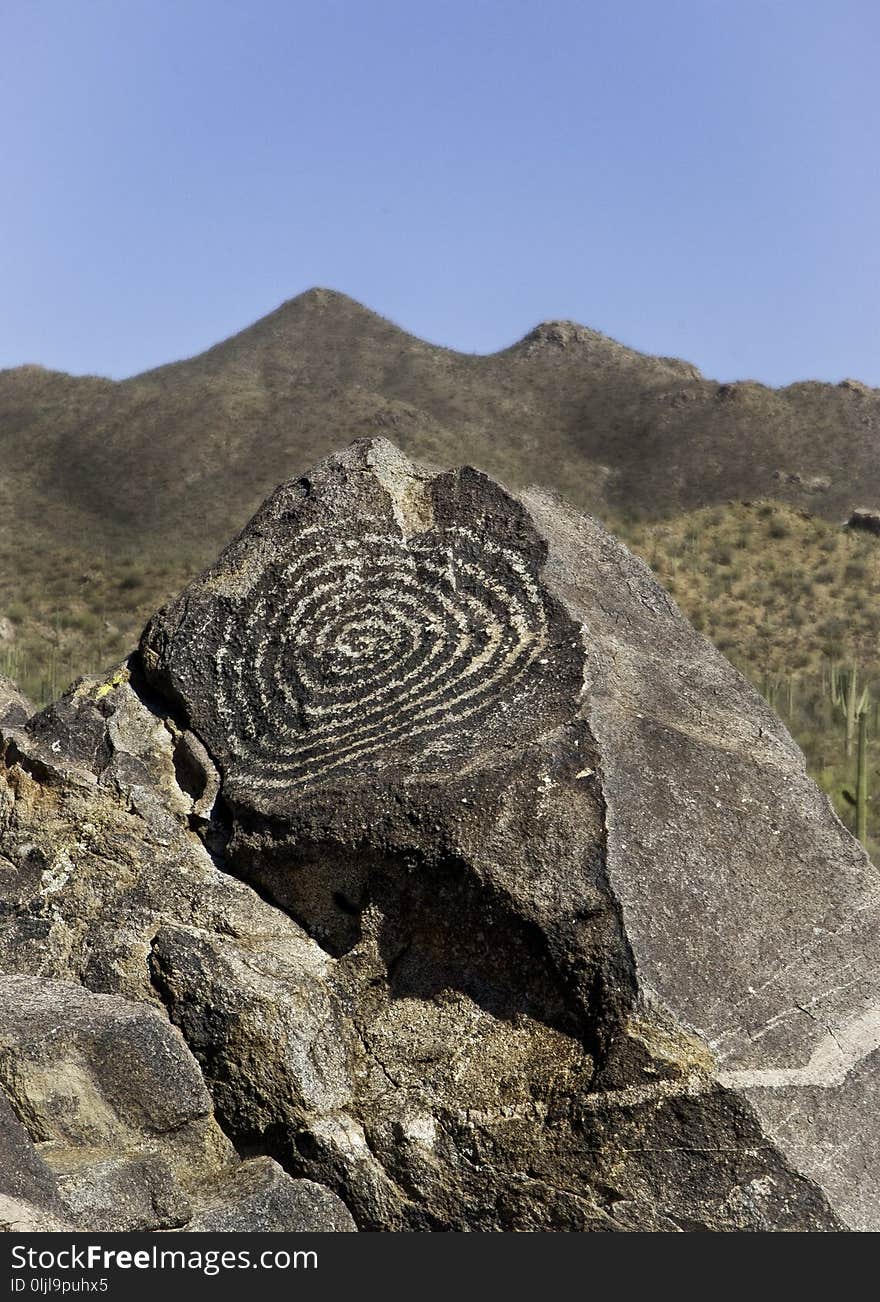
424	848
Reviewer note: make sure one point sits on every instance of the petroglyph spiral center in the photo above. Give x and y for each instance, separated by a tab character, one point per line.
355	654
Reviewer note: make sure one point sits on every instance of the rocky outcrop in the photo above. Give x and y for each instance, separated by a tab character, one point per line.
109	1126
14	707
864	518
812	483
457	880
29	1198
259	1197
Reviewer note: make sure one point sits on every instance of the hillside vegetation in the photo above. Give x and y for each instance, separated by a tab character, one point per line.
112	495
190	450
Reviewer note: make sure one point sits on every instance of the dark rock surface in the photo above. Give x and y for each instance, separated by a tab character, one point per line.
426	850
864	518
14	707
29	1198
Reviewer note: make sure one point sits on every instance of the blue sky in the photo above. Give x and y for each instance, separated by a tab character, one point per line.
693	177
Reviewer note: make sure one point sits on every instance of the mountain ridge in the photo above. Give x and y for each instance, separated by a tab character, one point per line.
558	332
182	454
554	332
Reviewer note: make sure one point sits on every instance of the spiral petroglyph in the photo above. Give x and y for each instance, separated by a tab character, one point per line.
364	647
379	621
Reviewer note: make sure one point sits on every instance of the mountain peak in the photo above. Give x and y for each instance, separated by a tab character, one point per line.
320	296
581	341
561	335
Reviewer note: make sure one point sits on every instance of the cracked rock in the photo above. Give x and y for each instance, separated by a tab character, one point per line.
260	1198
470	886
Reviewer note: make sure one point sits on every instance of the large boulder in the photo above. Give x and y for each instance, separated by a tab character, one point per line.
864	518
106	1124
484	893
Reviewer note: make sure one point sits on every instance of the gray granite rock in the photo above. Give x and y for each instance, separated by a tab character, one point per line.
86	1069
24	1176
111	1104
259	1198
753	915
121	1193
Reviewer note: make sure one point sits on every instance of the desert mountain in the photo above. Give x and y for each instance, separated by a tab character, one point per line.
188	450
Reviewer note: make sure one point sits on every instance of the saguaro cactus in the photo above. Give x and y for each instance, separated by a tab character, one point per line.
862	779
853	711
845	694
860	800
